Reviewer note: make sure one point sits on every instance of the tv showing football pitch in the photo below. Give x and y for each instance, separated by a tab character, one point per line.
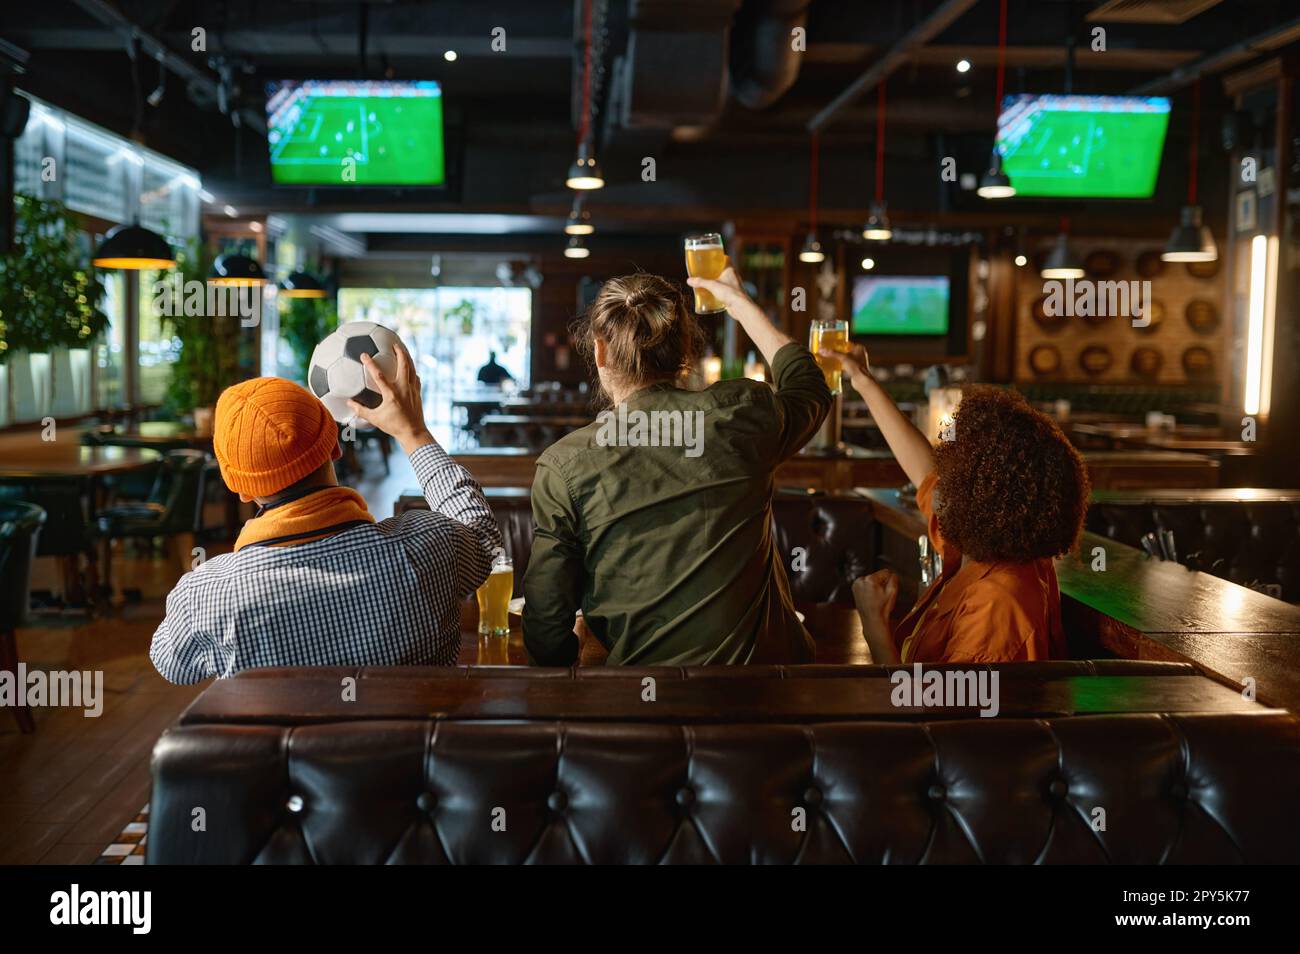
1105	147
900	305
355	132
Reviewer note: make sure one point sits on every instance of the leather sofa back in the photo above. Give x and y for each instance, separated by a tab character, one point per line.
834	531
480	766
1254	543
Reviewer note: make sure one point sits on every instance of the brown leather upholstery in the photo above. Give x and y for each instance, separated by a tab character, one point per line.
722	769
835	530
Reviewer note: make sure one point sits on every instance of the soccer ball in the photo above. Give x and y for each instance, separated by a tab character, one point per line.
336	374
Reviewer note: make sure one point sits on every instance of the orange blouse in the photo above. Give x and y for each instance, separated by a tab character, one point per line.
981	612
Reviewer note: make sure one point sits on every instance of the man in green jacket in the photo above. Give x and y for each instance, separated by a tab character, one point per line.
656	519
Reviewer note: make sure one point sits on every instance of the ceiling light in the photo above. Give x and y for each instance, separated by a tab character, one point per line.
868	264
134	247
1021	261
585	174
450	56
1061	262
812	250
236	270
877	228
302	284
1190	241
576	248
963	66
995	184
579	222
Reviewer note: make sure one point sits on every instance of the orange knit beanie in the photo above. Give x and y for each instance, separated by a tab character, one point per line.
270	433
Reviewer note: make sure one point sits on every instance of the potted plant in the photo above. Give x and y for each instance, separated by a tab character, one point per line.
302	325
210	345
49	303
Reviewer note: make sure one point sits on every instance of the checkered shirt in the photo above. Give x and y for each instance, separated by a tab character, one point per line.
382	594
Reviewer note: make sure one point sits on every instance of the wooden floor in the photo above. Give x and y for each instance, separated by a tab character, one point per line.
69	788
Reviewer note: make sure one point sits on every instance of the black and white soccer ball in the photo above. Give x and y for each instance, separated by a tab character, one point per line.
337	375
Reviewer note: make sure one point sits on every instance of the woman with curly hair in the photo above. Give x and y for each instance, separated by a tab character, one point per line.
1002	498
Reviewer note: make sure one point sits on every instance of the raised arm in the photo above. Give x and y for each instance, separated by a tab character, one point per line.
909	446
768	338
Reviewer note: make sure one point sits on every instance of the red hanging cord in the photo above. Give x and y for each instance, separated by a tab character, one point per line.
1002	51
585	122
812	183
880	142
1196	135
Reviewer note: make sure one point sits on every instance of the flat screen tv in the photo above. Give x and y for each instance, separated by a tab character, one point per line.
1103	147
355	133
900	305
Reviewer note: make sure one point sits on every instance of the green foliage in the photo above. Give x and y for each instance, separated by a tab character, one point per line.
303	324
210	344
49	297
464	313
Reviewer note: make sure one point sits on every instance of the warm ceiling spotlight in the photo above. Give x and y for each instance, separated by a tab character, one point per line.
579	221
576	248
237	271
134	247
1190	240
877	228
812	250
450	56
963	66
302	284
1061	262
868	264
1021	261
995	184
585	174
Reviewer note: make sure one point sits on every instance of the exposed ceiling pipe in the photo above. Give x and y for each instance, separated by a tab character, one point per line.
896	56
764	64
1226	58
109	15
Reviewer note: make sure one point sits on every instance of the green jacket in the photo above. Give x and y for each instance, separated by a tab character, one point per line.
668	550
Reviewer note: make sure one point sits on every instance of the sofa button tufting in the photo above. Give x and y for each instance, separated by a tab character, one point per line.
938	793
427	802
294	804
685	797
1059	788
557	802
812	797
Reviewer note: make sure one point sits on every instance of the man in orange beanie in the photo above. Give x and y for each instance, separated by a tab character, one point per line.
314	580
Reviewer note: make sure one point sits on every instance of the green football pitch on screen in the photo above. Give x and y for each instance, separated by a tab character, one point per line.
1072	150
900	305
391	141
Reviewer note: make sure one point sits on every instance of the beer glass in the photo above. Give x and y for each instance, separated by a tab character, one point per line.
832	334
705	258
494	599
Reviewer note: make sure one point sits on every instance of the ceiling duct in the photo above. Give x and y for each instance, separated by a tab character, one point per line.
674	72
1149	11
764	63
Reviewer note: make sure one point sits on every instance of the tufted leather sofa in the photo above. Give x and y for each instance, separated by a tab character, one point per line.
1252	542
775	766
836	531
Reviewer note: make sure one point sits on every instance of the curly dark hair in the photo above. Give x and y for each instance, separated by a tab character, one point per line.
1011	486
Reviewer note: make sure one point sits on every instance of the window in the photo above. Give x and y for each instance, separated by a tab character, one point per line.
450	332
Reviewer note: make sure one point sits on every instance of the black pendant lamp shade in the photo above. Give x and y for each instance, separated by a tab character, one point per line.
238	270
134	247
302	284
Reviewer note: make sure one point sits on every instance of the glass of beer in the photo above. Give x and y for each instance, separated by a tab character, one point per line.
494	599
832	334
705	258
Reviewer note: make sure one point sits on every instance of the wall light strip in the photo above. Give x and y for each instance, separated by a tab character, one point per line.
1255	325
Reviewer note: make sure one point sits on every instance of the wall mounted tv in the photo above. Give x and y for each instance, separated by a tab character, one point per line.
900	305
355	133
1103	147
